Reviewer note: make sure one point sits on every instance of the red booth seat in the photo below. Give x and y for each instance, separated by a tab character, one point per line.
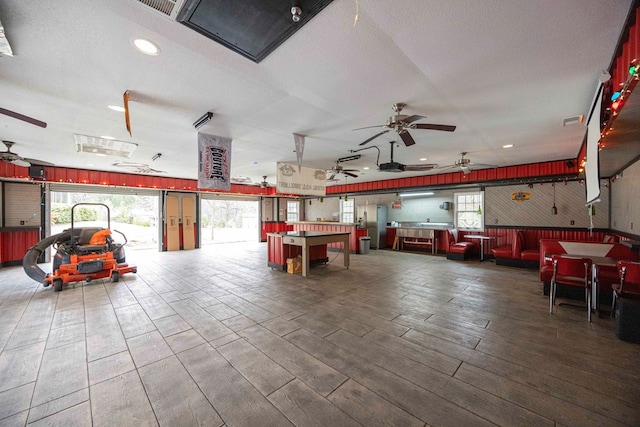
515	254
457	250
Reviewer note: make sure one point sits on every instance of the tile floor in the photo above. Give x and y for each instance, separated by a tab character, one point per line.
213	337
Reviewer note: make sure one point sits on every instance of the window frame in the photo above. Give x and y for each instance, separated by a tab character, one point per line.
293	215
351	211
458	211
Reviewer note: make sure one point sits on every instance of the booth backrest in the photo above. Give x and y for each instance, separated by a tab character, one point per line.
549	247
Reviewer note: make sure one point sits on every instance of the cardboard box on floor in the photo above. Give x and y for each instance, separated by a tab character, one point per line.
294	265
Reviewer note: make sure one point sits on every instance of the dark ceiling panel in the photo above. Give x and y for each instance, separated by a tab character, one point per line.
253	28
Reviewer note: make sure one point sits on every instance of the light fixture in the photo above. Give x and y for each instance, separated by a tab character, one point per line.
5	48
295	13
106	137
507	146
554	209
423	159
146	46
428	193
103	147
366	168
117	108
206	118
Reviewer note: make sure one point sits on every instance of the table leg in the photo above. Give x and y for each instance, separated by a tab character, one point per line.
345	249
305	260
481	250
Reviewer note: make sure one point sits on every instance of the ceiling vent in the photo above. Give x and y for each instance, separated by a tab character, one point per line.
103	146
168	8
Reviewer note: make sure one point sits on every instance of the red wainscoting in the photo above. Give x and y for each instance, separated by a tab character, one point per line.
273	227
278	252
14	243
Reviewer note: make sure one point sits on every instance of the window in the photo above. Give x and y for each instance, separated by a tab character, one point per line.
469	210
347	210
293	210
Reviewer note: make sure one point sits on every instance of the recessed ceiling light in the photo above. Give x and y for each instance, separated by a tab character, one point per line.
423	159
117	108
107	137
507	146
366	168
145	46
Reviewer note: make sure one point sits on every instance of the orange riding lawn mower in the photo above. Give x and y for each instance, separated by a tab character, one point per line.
82	254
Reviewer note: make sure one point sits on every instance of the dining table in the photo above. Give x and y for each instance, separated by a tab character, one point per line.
482	239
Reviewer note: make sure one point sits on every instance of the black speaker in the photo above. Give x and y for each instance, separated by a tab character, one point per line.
36	172
569	163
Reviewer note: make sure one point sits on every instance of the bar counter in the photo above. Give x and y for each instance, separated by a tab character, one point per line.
333	227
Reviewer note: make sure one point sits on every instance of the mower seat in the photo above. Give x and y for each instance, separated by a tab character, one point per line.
84	244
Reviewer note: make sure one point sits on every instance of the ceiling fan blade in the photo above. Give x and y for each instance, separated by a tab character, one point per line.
353	175
465	169
350	170
374	136
413	118
21	162
475	166
407	138
446	128
425	167
333	175
370	127
37	162
22	117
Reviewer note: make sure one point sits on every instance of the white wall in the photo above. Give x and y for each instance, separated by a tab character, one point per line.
625	199
500	209
413	209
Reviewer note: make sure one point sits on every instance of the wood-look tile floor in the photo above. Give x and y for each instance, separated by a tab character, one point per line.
214	337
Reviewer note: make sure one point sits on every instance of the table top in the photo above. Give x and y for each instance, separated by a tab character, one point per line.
478	236
598	260
307	234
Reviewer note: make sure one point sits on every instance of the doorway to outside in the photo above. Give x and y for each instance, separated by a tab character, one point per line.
229	220
134	215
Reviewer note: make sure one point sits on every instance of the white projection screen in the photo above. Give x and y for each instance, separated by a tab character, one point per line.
592	167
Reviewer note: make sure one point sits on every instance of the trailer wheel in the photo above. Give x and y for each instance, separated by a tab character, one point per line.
115	276
57	285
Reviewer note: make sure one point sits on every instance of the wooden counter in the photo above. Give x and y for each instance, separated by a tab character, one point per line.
333	227
308	244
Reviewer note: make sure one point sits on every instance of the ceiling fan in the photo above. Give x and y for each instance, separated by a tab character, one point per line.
22	117
141	168
393	166
466	165
338	169
11	157
264	183
401	123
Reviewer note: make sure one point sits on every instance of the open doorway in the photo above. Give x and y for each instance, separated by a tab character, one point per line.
133	214
229	220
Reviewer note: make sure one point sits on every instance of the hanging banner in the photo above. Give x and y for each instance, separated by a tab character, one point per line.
299	143
214	162
308	182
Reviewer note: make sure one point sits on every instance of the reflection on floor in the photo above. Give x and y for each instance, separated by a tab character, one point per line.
213	337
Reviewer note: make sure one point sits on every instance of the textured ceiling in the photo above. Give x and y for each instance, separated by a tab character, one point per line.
504	72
